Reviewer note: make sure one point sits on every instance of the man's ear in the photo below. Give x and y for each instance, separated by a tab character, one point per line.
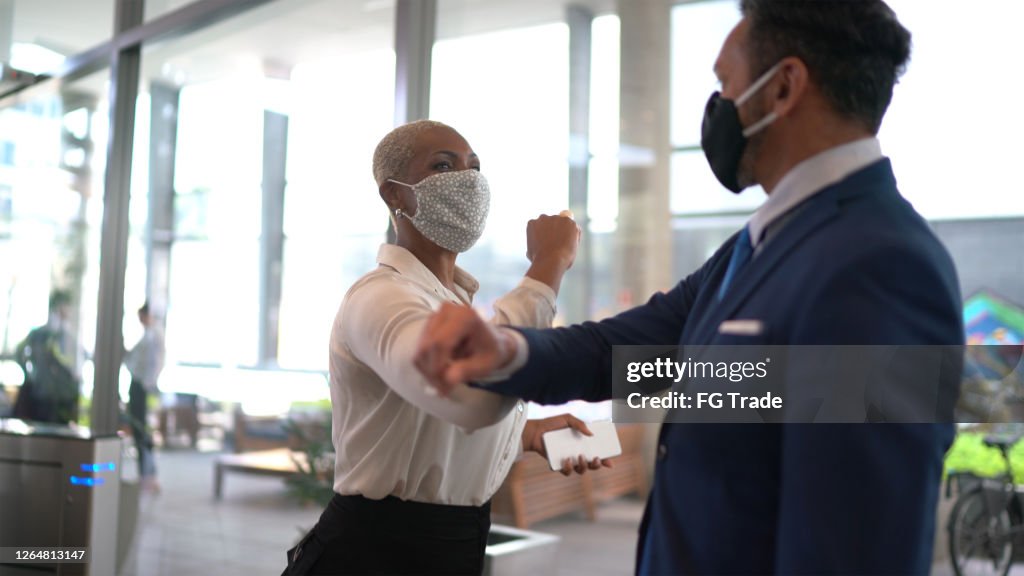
792	87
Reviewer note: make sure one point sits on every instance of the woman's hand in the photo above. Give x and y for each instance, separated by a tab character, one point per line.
533	441
551	243
553	238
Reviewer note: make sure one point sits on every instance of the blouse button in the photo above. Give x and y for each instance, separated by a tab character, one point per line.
520	404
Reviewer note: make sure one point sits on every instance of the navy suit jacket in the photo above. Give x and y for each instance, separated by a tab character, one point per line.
855	265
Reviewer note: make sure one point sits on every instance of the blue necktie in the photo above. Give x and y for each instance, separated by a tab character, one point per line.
741	252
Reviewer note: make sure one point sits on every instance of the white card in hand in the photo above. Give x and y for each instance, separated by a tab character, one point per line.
568	443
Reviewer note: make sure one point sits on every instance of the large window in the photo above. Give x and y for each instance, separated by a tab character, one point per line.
51	207
214	276
697	33
334	218
40	40
296	118
603	177
952	130
512	106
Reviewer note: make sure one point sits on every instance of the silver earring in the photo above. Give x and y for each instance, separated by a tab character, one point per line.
398	213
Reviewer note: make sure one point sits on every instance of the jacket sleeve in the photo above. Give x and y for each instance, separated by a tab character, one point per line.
575	362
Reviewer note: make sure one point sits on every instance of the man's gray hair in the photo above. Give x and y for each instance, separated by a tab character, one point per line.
394	152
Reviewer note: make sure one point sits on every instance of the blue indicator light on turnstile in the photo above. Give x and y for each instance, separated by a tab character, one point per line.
98	467
80	481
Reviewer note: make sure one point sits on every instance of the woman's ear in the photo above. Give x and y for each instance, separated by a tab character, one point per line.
398	196
389	195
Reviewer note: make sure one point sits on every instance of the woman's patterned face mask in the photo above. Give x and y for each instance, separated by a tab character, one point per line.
451	208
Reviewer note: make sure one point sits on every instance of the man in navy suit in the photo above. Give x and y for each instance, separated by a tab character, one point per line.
834	256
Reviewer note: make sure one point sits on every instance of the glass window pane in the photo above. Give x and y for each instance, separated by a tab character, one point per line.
696	191
332	207
603	178
512	105
45	32
698	30
603	193
332	133
952	130
51	206
214	267
313	291
695	240
518	125
327	67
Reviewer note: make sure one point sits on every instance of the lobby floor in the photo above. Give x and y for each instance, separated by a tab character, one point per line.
185	532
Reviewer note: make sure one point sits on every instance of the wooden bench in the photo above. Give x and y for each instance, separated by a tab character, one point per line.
279	463
292	430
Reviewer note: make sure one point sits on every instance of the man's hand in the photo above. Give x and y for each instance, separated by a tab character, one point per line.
551	243
533	441
457	346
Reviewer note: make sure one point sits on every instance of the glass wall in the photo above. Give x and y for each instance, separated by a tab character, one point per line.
334	218
951	130
520	134
603	165
33	38
697	34
51	208
273	208
951	141
514	107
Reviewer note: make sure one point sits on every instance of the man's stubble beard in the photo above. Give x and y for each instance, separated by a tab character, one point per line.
744	174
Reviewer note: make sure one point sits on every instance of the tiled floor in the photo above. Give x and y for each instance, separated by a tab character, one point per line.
184	532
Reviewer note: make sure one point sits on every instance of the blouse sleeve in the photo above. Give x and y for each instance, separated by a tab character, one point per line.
529	305
381	323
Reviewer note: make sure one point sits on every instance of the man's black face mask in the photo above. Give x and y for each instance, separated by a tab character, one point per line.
724	139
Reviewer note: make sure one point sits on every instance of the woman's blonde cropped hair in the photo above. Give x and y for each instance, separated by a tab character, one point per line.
395	150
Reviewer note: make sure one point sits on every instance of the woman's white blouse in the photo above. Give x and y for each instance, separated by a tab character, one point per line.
391	435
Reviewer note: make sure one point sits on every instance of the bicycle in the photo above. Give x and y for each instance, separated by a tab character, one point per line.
987	519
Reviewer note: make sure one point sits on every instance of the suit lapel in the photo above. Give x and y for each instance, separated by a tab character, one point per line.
820	210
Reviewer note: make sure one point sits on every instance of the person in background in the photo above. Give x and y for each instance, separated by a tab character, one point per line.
144	362
48	358
414	472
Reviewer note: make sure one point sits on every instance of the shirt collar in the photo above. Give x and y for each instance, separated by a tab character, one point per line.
408	265
810	177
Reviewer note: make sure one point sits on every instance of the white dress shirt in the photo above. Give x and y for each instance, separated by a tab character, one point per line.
145	360
810	177
392	435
